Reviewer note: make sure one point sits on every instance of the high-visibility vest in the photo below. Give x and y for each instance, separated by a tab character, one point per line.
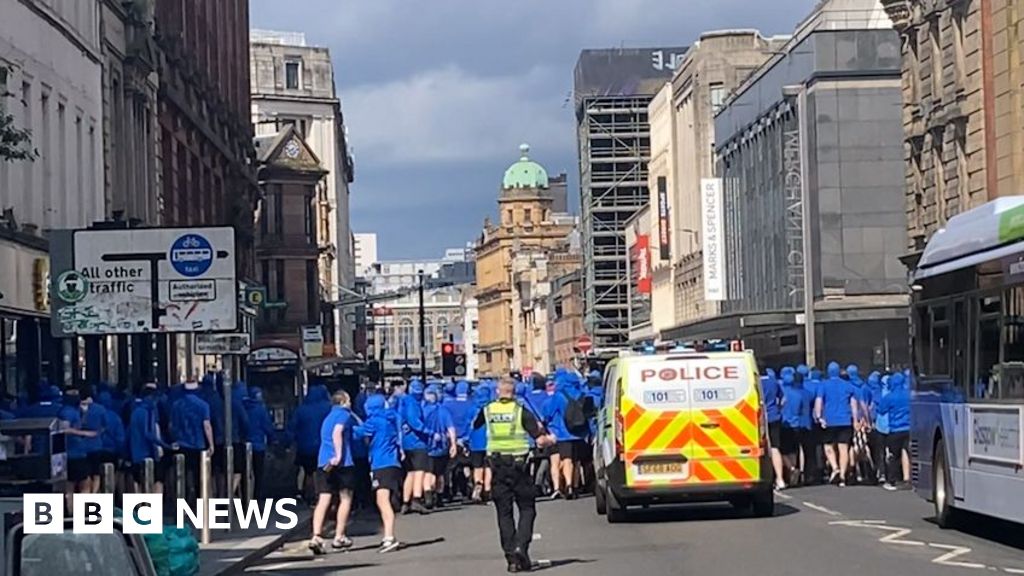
505	432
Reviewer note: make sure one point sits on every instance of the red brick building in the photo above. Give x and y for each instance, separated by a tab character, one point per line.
208	174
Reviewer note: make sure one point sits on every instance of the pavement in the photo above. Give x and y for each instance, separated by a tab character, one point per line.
821	530
231	552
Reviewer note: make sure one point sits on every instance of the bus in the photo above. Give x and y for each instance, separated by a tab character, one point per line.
967	337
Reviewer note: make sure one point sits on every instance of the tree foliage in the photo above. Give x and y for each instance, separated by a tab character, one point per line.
15	143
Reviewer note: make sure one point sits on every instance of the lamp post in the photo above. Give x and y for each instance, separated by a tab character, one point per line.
423	333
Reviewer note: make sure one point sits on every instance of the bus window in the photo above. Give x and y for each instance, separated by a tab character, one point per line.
922	340
1012	381
986	375
940	344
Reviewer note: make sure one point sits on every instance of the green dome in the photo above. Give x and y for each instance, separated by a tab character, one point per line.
525	173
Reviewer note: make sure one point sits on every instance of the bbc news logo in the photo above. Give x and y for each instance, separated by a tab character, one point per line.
144	513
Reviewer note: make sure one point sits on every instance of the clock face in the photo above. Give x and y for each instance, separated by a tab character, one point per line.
292	150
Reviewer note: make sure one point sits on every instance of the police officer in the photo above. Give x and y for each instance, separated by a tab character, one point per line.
509	426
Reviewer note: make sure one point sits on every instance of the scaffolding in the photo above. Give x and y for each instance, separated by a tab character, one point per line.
615	146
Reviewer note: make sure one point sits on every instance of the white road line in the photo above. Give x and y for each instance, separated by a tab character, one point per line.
1013	570
783	496
947	559
537	536
895	535
821	509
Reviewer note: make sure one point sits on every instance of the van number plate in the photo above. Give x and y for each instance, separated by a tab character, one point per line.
664	396
661	468
714	394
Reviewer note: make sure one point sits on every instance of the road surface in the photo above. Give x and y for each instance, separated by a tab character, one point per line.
822	530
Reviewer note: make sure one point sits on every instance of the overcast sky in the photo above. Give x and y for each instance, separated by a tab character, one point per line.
438	94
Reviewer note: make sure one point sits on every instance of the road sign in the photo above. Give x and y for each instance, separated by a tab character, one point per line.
131	281
584	344
72	287
256	296
312	341
221	344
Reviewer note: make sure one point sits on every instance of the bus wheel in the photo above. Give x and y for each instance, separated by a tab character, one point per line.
942	488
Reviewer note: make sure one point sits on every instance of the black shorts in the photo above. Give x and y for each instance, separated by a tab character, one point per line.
238	457
775	434
104	457
80	468
477	459
387	479
219	462
307	462
417	461
159	471
337	480
571	449
837	435
789	440
439	465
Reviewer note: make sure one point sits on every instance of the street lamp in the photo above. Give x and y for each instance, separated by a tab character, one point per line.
799	92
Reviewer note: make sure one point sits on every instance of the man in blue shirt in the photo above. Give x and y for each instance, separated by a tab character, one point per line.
94	418
304	431
795	407
482	396
335	473
381	430
837	410
414	443
771	394
192	432
896	406
261	431
144	439
79	466
441	447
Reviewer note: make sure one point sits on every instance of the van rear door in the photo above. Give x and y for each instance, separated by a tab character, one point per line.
655	413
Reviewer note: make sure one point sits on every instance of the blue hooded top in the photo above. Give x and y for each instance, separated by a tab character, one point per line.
796	405
94	418
114	439
860	389
261	426
462	411
438	419
415	433
482	396
239	415
566	387
896	404
143	437
881	420
835	394
187	416
381	430
210	394
304	424
772	395
812	382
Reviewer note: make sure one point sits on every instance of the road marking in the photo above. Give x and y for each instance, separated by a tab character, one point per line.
537	536
821	509
954	552
1013	570
783	496
895	535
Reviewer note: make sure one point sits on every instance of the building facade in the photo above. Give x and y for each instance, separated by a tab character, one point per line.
293	84
287	246
566	318
809	154
364	252
51	84
396	329
526	225
682	155
962	112
612	91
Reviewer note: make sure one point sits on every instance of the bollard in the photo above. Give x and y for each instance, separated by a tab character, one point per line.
204	494
248	477
179	476
147	476
108	479
229	456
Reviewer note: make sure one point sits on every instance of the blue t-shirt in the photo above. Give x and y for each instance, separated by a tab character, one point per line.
187	416
94	420
382	431
793	407
772	393
835	394
76	445
338	416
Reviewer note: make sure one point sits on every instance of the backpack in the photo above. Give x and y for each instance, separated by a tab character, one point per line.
577	414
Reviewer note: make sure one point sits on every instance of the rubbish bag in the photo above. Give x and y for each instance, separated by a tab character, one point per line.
175	552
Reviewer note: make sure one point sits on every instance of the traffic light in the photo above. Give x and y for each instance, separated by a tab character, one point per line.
452	363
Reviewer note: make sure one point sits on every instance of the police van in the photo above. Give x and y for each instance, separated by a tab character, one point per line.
683	425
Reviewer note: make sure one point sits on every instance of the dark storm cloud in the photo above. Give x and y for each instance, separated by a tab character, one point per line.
438	94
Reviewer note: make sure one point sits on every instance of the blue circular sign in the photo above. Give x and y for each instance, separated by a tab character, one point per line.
191	255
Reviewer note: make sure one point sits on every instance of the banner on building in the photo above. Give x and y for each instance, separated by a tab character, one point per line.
664	225
640	263
714	239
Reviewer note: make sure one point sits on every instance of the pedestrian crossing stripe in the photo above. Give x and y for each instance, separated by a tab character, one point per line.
718	445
